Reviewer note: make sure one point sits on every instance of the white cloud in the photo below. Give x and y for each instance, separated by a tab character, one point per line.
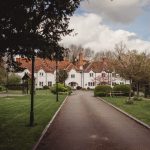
90	31
123	11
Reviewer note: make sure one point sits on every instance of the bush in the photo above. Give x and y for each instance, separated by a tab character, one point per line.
122	88
78	87
130	102
69	89
63	93
88	88
2	88
137	98
101	94
45	87
61	88
102	90
14	79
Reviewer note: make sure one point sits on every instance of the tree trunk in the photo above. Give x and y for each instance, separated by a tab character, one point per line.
146	92
138	88
130	89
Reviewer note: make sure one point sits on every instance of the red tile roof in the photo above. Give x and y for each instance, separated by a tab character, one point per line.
45	64
50	66
98	66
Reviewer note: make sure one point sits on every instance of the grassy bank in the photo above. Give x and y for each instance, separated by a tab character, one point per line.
140	109
15	134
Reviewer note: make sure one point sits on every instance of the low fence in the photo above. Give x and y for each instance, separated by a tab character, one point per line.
24	88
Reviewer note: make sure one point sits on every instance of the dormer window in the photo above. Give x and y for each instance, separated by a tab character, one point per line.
72	75
91	74
41	73
103	75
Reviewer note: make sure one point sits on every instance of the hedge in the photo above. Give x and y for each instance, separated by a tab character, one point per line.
2	88
102	90
122	88
61	88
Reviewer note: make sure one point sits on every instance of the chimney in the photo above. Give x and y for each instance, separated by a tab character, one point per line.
81	58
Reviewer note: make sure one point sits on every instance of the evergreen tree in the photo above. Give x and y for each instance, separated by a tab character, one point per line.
62	76
29	25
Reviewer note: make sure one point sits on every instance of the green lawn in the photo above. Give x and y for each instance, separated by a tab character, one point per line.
15	134
140	109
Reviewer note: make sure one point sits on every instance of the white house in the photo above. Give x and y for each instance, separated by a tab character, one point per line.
83	73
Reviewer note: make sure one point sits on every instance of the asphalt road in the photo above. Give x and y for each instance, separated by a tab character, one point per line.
86	123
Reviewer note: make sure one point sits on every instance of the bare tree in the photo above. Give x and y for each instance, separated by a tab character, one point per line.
132	65
75	50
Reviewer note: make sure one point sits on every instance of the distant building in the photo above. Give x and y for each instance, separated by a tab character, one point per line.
82	73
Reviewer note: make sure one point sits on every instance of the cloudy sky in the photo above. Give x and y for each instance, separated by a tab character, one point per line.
100	24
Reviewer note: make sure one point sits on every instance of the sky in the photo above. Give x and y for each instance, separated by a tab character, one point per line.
101	24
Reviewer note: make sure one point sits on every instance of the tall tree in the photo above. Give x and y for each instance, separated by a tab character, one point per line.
34	24
2	76
62	76
34	28
132	65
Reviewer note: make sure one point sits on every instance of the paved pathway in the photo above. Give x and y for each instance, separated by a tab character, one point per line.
86	123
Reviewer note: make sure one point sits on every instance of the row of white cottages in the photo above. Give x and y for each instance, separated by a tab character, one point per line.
83	73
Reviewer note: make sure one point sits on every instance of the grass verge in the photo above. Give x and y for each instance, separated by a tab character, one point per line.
15	134
140	109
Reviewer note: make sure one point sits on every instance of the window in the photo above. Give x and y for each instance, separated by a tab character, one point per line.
73	84
40	83
91	74
113	74
121	82
72	75
41	74
49	83
91	84
103	75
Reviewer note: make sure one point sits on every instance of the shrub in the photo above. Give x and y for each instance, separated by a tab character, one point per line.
135	98
14	79
130	102
100	94
101	89
78	87
123	88
88	88
69	89
63	93
61	88
2	88
45	87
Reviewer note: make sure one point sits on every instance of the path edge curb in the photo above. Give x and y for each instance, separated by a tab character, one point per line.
125	113
49	124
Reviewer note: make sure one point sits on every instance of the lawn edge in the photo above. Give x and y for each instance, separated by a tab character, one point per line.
125	113
49	124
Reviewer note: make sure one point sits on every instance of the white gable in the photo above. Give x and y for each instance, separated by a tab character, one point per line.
72	71
41	70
